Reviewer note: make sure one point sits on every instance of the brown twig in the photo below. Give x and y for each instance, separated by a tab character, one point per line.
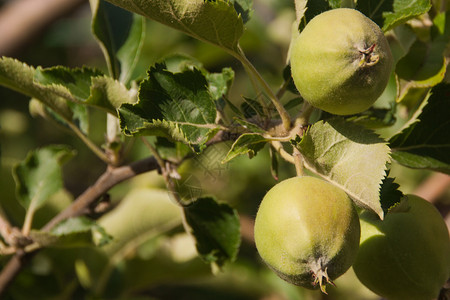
5	228
105	182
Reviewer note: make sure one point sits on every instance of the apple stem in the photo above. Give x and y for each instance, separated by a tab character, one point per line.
368	57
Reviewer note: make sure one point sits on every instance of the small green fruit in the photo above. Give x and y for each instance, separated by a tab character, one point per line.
341	62
307	231
405	256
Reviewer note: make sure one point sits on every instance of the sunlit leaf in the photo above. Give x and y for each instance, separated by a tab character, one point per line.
216	22
349	156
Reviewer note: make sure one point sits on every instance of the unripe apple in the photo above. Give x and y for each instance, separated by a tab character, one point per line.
307	230
341	62
407	255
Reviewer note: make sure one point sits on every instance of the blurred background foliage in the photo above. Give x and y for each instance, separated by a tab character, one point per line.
157	260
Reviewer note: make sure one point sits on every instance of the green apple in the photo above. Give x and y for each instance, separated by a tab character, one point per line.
307	230
341	62
407	255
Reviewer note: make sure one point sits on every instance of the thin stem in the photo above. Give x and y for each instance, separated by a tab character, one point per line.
283	153
298	162
303	119
94	148
165	170
28	220
154	152
285	118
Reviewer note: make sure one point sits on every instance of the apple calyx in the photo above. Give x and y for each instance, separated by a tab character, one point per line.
320	275
369	58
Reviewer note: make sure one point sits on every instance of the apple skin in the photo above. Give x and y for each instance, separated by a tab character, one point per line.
405	256
341	62
307	231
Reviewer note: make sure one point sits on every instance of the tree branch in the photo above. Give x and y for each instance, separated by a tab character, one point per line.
105	182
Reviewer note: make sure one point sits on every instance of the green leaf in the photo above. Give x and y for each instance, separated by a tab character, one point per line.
248	126
108	94
390	195
120	35
247	143
342	3
215	22
243	8
73	232
84	86
251	108
404	10
220	83
130	51
68	83
316	7
19	77
174	151
375	117
177	106
349	156
389	14
403	37
274	163
425	142
424	66
216	229
39	175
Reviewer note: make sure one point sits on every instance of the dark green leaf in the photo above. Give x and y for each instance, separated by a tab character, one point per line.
176	106
71	83
247	143
129	53
425	142
243	8
390	195
251	108
169	150
293	103
274	163
287	76
316	7
247	126
39	175
216	229
375	117
120	35
391	13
